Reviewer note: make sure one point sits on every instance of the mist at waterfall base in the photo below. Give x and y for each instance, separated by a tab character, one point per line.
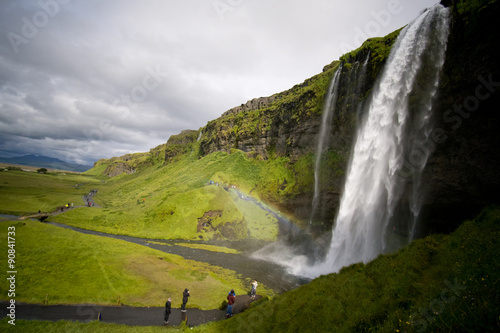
380	204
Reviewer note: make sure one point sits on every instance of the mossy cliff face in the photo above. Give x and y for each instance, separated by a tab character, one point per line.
287	123
180	144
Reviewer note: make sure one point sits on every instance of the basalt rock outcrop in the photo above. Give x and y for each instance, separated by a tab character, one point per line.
179	144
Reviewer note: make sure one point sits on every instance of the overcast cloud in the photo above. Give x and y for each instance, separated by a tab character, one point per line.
87	79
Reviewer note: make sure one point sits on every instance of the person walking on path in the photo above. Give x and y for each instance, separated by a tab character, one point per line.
253	291
185	296
168	310
231	298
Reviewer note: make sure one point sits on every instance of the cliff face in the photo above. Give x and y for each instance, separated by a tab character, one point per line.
462	175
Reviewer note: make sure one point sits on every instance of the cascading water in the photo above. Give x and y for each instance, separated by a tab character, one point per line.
328	112
361	80
374	188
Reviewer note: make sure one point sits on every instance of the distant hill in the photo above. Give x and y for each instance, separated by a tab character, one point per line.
45	162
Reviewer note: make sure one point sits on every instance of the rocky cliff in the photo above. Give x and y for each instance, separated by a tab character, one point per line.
462	174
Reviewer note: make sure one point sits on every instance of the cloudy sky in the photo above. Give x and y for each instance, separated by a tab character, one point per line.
82	80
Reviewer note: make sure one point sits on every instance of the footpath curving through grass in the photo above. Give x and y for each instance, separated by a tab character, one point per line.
75	268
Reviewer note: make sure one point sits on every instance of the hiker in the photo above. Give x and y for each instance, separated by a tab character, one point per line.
185	296
168	310
253	291
231	297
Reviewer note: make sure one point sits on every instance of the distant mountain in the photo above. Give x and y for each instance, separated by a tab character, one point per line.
45	162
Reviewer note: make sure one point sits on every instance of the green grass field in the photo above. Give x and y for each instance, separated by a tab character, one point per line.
73	268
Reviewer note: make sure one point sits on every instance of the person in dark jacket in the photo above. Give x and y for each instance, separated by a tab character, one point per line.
168	310
185	296
231	297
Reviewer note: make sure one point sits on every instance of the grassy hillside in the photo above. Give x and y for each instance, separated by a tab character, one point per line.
173	200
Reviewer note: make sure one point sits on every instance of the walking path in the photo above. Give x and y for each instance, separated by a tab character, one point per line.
134	316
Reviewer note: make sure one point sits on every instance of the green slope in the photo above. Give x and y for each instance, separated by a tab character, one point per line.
173	200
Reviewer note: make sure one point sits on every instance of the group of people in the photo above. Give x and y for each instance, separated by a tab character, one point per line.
231	298
67	206
89	202
168	305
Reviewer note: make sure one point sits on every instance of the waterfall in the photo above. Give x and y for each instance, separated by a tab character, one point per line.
361	79
326	120
377	194
199	136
